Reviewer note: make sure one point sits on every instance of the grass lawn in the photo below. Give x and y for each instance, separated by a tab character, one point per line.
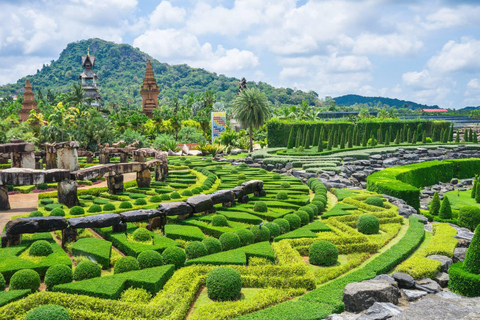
459	199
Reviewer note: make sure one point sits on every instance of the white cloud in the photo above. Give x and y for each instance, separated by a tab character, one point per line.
460	56
447	17
390	44
165	14
473	89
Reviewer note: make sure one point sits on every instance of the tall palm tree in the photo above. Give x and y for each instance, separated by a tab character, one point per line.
251	109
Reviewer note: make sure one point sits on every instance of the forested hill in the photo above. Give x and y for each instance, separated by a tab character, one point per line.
121	69
351	99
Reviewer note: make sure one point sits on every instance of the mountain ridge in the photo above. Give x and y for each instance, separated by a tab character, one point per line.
351	99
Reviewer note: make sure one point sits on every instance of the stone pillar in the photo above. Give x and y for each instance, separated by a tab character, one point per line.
121	227
90	157
104	158
164	171
115	184
67	193
123	157
16	160
143	178
69	235
51	159
10	240
158	223
138	158
67	157
3	160
27	160
158	172
4	203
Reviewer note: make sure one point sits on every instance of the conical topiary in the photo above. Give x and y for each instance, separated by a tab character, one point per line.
477	193
473	191
472	259
435	205
445	209
291	139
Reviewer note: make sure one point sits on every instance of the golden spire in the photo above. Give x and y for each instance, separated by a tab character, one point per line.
88	51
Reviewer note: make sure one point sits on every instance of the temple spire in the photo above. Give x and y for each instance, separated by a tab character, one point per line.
90	79
28	103
149	91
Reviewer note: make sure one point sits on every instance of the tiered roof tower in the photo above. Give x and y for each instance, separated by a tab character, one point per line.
149	91
89	80
28	103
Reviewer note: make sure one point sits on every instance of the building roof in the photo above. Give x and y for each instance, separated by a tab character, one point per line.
434	110
90	58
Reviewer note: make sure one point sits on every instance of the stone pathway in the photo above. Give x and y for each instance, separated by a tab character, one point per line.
24	203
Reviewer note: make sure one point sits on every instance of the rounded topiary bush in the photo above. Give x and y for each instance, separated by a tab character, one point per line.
125	205
282	195
175	195
86	270
48	312
276	176
374	201
25	279
50	207
213	245
40	248
135	196
3	283
261	233
262	171
273	228
155	199
37	213
58	274
219	221
174	255
229	240
246	236
45	201
224	284
304	217
314	208
187	193
469	217
260	206
86	197
109	207
94	208
241	176
76	211
323	253
149	259
320	206
234	171
57	212
141	235
293	220
309	211
243	165
140	202
100	201
125	264
285	185
165	197
197	190
368	224
283	225
195	249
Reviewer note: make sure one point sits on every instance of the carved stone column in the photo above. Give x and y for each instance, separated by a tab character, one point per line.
138	158
115	184
67	156
51	158
123	157
67	193
143	178
104	158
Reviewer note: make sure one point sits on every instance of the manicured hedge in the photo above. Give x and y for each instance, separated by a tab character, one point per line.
98	249
187	233
12	295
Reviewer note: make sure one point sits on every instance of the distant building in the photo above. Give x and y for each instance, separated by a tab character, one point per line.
28	103
89	80
434	110
149	92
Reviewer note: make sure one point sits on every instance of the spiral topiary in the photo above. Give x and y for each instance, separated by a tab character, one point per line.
37	213
229	240
76	211
273	228
40	248
125	264
304	217
175	256
283	224
282	195
293	220
374	201
141	235
323	253
469	217
261	233
109	207
48	312
187	193
57	212
219	221
260	206
224	284
94	208
149	259
125	205
246	236
368	224
86	270
213	245
140	202
195	249
58	274
25	279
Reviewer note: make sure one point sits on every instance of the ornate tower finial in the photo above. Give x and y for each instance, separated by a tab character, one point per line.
88	51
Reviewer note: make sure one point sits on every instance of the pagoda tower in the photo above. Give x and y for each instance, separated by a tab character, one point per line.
28	103
149	91
90	80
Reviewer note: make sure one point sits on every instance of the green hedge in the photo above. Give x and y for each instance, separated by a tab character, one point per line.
462	281
98	249
12	295
187	233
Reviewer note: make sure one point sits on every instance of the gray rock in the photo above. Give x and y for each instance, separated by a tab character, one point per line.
445	261
428	285
390	162
343	316
360	296
422	217
442	279
376	157
35	225
200	203
4	203
139	215
222	196
454	181
385	277
252	186
380	311
288	166
67	193
270	167
405	210
410	156
360	175
175	208
404	280
239	192
96	221
412	295
464	234
448	295
459	254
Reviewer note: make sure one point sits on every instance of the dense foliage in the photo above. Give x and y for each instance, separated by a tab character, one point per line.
224	284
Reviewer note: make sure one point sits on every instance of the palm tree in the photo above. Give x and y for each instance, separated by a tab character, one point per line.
251	109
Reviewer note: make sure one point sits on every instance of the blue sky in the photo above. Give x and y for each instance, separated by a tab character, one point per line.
424	51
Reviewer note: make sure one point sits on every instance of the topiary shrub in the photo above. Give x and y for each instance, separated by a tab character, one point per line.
3	283
45	201
187	193
469	217
472	258
142	235
285	185
229	240
37	213
243	165
76	211
246	236
140	202
219	221
50	207
445	209
125	264
293	220
165	197
241	176
25	279
175	195
276	176
100	201
175	256
262	171
197	190
125	205
87	270
109	207
149	259
309	211
314	208
224	284
95	208
86	197
136	295
368	224
40	248
273	228
304	217
323	253
234	171
260	206
135	196
57	212
213	245
283	224
282	195
261	233
58	274
320	206
374	201
195	249
48	312
435	205
155	199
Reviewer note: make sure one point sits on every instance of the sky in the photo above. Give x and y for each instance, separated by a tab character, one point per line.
424	51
